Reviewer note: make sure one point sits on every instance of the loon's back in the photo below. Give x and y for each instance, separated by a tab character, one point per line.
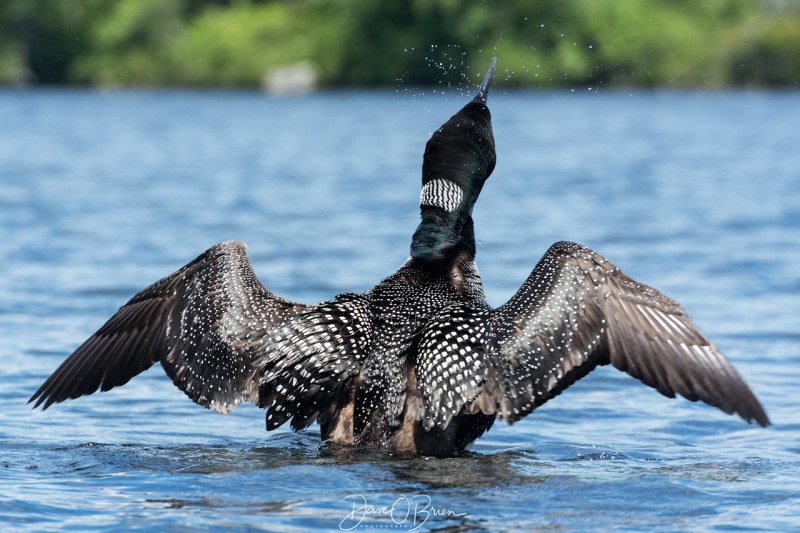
382	404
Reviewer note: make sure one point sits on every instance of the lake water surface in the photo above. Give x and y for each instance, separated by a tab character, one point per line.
697	194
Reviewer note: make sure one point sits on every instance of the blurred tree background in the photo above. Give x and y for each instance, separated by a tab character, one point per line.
234	43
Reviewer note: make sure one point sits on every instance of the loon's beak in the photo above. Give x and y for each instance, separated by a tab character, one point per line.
483	92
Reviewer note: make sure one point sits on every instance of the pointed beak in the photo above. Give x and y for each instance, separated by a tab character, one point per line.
483	92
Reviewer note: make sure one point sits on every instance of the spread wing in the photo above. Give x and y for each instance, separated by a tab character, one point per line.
205	324
575	311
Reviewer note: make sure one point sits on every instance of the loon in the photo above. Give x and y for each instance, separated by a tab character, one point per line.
419	364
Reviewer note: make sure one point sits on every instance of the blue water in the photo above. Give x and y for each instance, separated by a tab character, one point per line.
102	193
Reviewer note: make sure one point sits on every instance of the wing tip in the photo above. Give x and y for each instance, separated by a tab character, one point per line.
759	417
38	401
239	245
42	398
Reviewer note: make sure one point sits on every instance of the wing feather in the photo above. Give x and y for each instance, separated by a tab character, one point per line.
574	312
310	356
205	324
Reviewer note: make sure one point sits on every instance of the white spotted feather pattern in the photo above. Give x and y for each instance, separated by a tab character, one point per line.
451	362
402	305
307	358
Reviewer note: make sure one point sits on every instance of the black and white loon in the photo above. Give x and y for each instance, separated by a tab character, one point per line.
420	363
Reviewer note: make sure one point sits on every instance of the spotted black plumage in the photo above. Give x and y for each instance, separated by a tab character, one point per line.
308	356
205	324
420	363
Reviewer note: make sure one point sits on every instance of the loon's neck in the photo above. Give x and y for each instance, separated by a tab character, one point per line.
435	245
459	157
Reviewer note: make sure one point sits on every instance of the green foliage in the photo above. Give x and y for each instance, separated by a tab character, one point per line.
127	43
542	43
766	52
13	70
236	46
39	39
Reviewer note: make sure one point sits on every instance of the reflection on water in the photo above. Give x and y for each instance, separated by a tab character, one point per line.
102	194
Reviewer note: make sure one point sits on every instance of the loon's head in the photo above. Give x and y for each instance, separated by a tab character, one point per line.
459	158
